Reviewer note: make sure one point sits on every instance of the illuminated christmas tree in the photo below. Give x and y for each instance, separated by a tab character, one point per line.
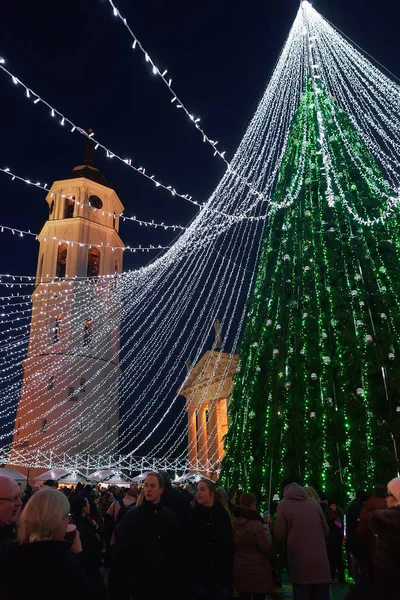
318	388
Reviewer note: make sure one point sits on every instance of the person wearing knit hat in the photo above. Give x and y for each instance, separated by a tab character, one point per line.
385	524
393	494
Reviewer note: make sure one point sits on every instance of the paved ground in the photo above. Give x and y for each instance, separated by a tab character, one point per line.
338	592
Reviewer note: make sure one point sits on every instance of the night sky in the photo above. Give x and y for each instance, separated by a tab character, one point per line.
78	57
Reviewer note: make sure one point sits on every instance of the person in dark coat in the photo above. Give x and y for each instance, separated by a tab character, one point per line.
147	551
385	524
365	539
87	528
211	538
10	505
353	514
335	538
301	524
42	564
252	576
175	501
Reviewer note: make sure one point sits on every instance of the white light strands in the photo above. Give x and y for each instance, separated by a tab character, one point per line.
168	82
163	312
123	217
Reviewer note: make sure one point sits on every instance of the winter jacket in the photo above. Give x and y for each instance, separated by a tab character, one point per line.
49	571
8	534
386	525
211	551
336	528
301	524
252	543
352	519
147	553
176	501
365	538
90	541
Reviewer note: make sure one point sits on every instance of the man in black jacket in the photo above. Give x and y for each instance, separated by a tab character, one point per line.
352	518
10	504
147	550
175	501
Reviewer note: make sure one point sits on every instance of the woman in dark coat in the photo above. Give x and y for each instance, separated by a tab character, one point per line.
385	524
42	564
252	575
88	530
211	539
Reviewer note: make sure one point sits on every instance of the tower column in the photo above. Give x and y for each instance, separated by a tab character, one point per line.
192	439
213	434
203	440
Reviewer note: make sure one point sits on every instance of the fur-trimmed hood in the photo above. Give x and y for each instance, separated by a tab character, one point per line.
386	522
242	514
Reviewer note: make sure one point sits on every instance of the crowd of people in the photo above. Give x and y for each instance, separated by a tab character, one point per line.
158	542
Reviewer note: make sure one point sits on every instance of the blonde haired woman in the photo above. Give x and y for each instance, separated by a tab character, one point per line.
43	564
313	494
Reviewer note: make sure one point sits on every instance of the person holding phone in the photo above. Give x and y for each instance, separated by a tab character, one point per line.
43	563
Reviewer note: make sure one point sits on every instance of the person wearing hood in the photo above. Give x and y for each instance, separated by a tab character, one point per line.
385	525
302	526
252	576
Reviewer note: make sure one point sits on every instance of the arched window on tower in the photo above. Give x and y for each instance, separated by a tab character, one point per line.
57	329
88	332
72	395
50	383
93	267
69	207
62	260
51	208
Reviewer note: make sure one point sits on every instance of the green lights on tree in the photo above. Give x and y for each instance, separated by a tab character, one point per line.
319	378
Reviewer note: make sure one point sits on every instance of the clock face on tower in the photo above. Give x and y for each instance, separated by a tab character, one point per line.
95	202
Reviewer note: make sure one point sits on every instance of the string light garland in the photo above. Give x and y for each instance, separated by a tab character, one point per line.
162	74
71	243
303	151
54	113
121	216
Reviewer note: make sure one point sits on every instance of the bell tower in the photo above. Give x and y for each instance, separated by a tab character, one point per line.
70	389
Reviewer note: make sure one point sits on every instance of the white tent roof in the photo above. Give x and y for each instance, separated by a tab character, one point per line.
52	474
118	477
191	477
140	477
101	475
13	473
63	476
109	476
